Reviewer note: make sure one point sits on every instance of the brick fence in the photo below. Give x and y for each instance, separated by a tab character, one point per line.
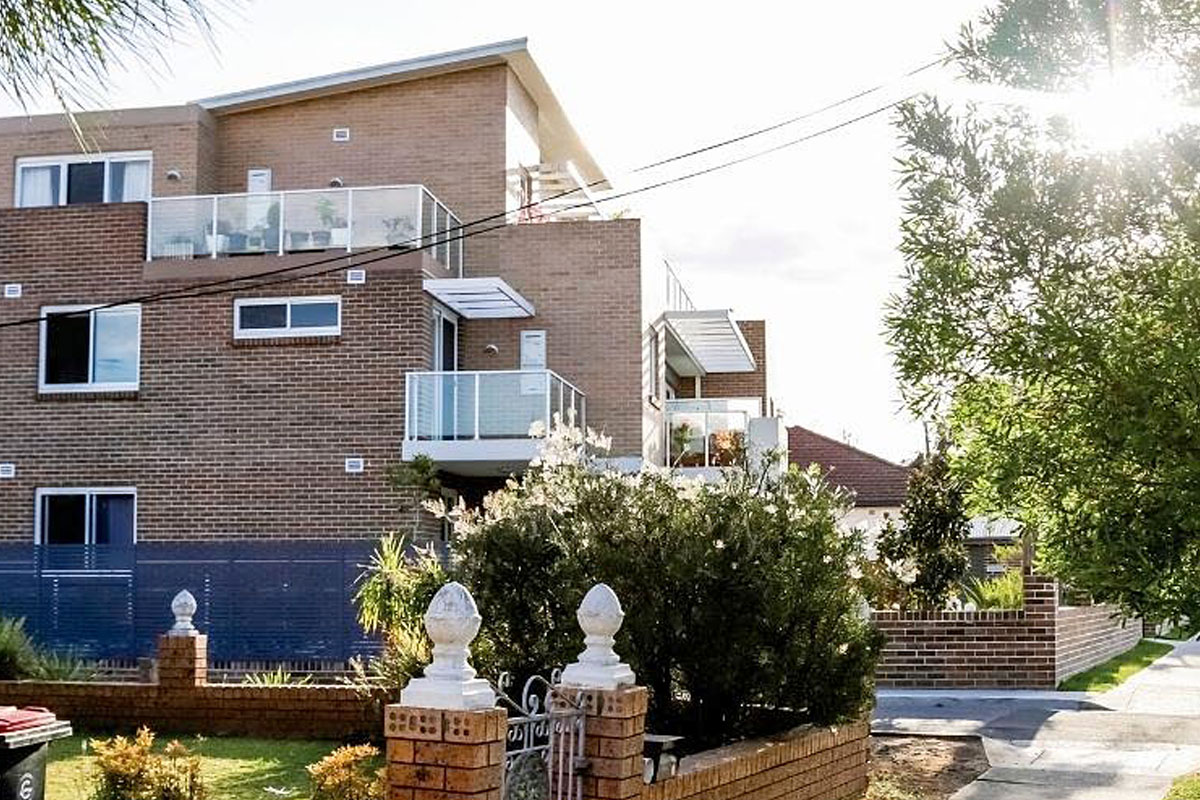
1090	635
1035	647
822	763
182	701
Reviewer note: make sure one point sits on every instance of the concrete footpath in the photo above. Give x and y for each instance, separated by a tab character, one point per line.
1128	744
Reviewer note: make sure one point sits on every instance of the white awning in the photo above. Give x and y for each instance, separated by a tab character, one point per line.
480	298
712	339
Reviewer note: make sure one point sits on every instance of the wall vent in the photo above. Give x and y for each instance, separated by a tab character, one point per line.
355	464
12	291
356	277
341	134
8	470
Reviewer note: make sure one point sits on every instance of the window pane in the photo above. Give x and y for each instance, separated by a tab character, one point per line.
67	348
264	316
314	315
85	182
114	519
63	519
128	181
39	186
116	357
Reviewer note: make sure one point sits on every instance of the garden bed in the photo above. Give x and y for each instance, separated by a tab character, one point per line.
921	768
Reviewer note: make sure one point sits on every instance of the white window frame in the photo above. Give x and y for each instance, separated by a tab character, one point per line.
89	493
91	385
64	160
287	331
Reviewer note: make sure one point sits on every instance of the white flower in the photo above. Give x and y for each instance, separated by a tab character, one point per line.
719	544
537	429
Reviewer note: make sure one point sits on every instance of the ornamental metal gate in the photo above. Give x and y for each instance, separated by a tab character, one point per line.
543	757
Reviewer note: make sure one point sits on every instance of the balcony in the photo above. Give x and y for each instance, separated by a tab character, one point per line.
208	226
478	423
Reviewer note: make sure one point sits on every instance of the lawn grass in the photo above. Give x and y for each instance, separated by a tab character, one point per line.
1187	788
1115	671
233	769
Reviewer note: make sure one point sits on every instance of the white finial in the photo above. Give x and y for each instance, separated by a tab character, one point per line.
599	666
184	608
452	622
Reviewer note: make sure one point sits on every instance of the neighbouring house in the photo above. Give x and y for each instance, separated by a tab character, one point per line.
878	485
235	439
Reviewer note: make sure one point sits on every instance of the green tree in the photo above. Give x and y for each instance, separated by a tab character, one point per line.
931	538
67	47
1051	307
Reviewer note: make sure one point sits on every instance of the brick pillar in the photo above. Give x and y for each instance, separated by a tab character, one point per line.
614	728
182	661
1041	629
437	754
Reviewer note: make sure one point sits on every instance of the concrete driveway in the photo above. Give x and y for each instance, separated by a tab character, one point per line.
1128	744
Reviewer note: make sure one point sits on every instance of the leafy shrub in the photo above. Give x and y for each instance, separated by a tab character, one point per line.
393	592
926	552
348	773
1006	591
741	607
275	677
61	665
129	769
17	653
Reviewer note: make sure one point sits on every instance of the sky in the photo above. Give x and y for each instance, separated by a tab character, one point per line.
804	238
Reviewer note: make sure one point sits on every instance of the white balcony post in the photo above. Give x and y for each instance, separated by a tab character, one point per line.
549	414
410	408
349	220
216	239
452	622
420	218
477	405
149	228
598	666
282	219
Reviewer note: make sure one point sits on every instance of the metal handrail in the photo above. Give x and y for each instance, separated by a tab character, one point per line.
436	373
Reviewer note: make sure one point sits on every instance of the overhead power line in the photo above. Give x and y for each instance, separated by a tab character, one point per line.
305	270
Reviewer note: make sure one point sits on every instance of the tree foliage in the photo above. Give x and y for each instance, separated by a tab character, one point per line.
930	541
1051	307
742	611
68	47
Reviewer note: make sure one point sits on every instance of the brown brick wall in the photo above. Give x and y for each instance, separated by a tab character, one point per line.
447	132
1090	635
221	440
977	649
817	764
285	712
584	281
176	135
738	384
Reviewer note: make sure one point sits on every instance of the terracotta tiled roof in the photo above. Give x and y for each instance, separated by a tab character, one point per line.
875	481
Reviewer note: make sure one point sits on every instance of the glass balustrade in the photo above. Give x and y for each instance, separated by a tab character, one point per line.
444	406
356	218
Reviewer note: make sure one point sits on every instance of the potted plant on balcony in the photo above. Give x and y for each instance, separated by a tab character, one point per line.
218	243
327	214
682	454
400	231
339	232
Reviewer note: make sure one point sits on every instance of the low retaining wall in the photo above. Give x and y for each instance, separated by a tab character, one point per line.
813	763
1035	647
1090	635
972	649
182	701
309	712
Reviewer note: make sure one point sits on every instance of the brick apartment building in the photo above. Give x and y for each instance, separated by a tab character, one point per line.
235	438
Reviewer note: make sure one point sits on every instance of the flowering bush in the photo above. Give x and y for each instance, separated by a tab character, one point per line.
742	610
129	769
348	773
